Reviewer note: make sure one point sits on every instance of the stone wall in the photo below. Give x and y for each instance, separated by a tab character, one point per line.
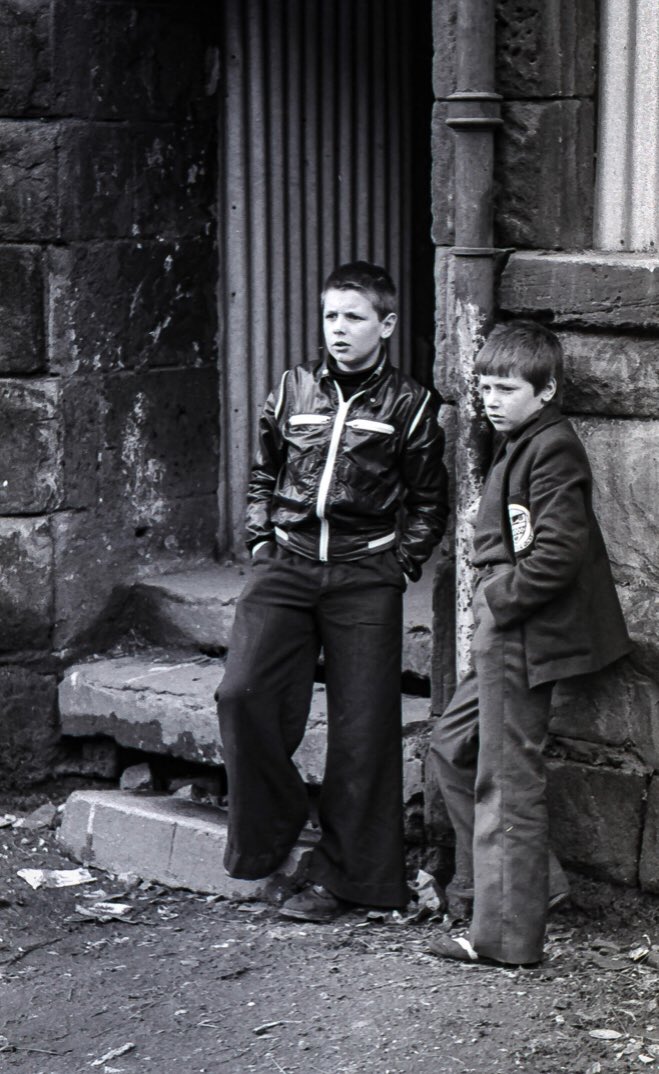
604	743
108	396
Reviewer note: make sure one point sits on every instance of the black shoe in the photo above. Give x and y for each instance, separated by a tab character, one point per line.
314	903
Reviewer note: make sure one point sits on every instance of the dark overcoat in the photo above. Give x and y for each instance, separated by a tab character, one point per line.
560	588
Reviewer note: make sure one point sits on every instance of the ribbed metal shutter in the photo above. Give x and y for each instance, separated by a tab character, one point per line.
314	171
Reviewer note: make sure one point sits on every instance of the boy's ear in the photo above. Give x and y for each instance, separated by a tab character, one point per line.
388	324
549	390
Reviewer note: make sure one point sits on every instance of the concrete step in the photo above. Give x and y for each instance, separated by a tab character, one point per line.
194	608
160	703
164	839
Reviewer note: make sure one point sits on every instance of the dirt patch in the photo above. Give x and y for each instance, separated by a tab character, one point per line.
170	981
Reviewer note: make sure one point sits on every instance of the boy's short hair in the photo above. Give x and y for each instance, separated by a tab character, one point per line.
372	280
525	349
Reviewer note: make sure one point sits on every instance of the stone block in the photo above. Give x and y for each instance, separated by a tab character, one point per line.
99	553
129	181
21	310
82	407
624	456
28	726
545	194
174	184
618	707
26	583
160	439
28	180
596	818
121	305
649	865
24	57
96	181
444	23
612	375
546	48
146	62
640	606
445	323
30	448
155	705
162	839
137	777
442	177
193	608
591	289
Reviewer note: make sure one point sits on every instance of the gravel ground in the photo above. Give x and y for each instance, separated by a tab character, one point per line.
119	976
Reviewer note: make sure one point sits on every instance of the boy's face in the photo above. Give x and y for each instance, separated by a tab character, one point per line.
353	331
511	401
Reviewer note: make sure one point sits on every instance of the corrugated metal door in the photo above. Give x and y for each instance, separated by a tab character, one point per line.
314	171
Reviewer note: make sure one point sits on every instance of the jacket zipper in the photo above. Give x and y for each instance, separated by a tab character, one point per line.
328	471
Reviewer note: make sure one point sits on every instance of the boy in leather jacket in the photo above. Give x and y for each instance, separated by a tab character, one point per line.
545	608
345	443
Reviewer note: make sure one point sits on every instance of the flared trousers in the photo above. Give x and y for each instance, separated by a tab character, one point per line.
289	609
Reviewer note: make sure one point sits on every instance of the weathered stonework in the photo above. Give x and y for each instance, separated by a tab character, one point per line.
443	163
28	179
612	375
590	289
649	865
545	194
24	57
618	707
624	456
159	70
28	729
30	447
609	806
93	549
546	48
121	305
26	584
21	309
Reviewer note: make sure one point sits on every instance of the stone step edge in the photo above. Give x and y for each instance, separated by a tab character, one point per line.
176	610
94	700
167	841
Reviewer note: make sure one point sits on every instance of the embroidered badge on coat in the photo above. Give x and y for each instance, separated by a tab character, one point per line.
520	525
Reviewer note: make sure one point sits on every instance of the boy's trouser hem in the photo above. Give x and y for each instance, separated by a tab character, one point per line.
383	896
242	868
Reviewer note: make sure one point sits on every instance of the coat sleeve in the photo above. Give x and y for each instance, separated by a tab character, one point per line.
558	505
268	461
425	481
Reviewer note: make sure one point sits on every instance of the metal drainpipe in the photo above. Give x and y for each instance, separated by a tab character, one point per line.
473	115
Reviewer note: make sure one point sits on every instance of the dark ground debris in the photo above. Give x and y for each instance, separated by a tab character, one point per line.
118	976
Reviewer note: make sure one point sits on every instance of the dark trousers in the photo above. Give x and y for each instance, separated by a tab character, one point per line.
487	752
291	607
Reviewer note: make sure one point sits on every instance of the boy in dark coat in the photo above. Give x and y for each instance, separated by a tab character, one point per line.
345	442
545	608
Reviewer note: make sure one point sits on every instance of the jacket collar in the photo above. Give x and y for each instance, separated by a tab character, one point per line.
549	415
380	370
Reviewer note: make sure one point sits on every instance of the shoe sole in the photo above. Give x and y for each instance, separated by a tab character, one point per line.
314	919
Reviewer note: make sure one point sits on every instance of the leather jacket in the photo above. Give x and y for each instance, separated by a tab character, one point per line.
331	475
